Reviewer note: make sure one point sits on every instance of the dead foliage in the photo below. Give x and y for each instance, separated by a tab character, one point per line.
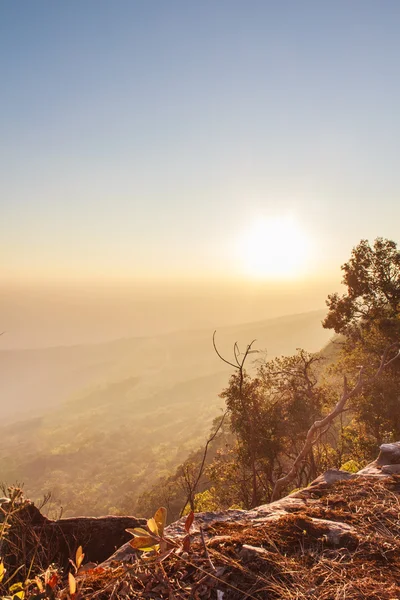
295	559
291	556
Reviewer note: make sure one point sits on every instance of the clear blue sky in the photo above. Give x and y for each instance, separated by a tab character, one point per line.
145	137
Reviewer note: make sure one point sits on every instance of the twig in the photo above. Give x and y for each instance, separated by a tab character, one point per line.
192	493
233	587
210	562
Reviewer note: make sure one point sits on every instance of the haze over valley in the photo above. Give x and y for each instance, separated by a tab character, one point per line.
100	417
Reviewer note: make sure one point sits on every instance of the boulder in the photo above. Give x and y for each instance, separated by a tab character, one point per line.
387	463
389	454
32	535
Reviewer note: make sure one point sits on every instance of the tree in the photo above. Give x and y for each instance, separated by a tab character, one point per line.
238	394
247	409
368	317
372	277
281	414
270	413
321	425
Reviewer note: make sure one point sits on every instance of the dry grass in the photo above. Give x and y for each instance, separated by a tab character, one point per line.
297	560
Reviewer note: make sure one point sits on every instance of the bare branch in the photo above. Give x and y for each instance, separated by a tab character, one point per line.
240	368
248	350
193	488
220	356
236	352
206	549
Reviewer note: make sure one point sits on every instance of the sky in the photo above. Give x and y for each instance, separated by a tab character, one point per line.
152	140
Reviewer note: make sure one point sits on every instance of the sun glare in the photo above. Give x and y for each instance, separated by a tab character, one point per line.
274	248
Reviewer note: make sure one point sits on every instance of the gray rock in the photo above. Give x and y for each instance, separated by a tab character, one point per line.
391	469
389	454
336	530
248	553
330	477
387	463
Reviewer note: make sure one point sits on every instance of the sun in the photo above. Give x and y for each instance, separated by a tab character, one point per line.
274	248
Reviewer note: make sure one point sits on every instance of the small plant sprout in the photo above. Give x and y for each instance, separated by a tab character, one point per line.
72	586
152	539
79	558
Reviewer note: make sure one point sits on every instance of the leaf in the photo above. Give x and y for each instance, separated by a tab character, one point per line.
16	588
2	571
71	583
186	543
152	525
79	557
145	544
52	582
160	518
47	575
138	531
189	521
147	541
39	584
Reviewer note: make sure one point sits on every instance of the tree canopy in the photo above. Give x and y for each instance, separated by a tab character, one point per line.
372	278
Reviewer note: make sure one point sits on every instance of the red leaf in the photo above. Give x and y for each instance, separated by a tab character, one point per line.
189	521
52	582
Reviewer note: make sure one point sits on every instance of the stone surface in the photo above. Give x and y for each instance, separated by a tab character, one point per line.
330	477
391	469
247	552
387	463
389	454
335	530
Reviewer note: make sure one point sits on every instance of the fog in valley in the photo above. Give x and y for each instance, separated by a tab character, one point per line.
85	370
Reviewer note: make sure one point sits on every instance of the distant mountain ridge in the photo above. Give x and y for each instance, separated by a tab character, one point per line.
34	379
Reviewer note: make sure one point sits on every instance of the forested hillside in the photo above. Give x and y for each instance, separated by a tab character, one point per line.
293	417
98	425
